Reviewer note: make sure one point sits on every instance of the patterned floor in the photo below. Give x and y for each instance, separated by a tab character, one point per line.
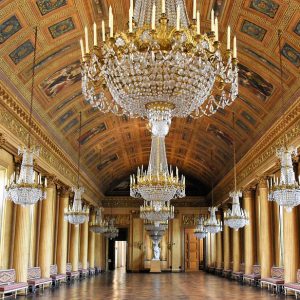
185	286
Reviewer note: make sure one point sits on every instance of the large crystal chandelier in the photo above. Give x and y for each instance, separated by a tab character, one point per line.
237	217
212	224
111	232
161	61
200	231
99	225
156	213
26	190
77	213
286	190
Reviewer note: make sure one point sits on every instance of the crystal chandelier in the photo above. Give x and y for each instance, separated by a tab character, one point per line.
162	60
213	225
112	232
158	183
286	191
99	225
77	213
200	232
156	213
26	190
237	217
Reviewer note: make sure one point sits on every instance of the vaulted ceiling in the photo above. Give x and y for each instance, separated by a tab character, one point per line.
114	146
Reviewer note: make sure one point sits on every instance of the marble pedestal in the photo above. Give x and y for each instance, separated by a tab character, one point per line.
155	266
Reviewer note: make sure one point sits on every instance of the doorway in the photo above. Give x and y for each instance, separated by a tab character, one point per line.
120	254
191	251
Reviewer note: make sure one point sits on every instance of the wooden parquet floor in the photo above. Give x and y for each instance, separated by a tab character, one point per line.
165	286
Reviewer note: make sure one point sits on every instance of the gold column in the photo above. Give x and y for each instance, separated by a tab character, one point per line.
46	236
213	249
249	230
22	243
91	248
176	249
226	249
266	253
291	244
84	233
236	251
62	233
74	250
219	249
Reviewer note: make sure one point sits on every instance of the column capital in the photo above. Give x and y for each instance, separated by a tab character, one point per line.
2	140
262	181
51	180
248	192
64	191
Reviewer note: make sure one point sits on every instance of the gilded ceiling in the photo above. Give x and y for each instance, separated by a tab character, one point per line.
114	146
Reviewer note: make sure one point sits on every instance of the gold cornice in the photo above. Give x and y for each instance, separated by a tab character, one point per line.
261	157
14	122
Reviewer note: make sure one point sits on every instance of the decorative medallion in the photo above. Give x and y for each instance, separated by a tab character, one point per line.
9	28
107	161
86	137
266	7
297	28
61	28
61	79
253	30
21	52
46	6
291	54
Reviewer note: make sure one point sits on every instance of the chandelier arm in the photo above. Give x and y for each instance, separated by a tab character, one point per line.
32	87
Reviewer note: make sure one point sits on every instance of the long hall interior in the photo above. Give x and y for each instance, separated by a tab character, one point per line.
149	149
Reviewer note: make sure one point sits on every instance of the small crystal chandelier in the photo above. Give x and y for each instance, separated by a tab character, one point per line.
200	232
77	213
112	232
212	224
99	225
162	60
161	213
286	191
158	183
25	190
237	217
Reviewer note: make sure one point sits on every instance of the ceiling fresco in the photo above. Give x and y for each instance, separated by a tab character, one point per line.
113	147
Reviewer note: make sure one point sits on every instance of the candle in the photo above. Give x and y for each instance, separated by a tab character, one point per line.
198	22
212	20
234	48
216	29
131	8
82	48
95	35
130	20
163	6
228	38
178	18
103	31
194	9
111	32
87	49
153	17
109	16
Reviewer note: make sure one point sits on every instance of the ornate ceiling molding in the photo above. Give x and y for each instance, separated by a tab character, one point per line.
261	158
14	120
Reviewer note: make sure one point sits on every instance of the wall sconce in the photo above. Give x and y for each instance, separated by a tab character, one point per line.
170	245
138	244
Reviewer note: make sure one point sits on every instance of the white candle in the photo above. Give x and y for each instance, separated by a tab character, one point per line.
228	38
103	31
130	20
109	16
194	9
163	6
82	48
95	35
131	8
234	48
198	22
153	17
178	18
216	29
111	26
87	49
212	20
